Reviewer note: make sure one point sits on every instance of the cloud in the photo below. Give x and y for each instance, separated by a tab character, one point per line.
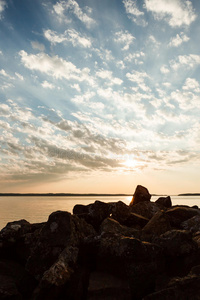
76	87
137	56
187	61
19	76
71	6
70	35
134	13
107	75
54	66
2	7
191	84
125	38
47	85
176	12
178	40
164	70
153	40
38	46
139	78
5	74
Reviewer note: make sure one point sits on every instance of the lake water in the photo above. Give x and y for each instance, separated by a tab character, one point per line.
37	209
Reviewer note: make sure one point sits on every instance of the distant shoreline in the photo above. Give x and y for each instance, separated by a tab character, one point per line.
190	194
66	195
81	195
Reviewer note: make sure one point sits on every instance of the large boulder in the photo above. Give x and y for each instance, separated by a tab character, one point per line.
103	285
192	224
15	282
130	259
136	221
185	288
15	240
59	279
120	211
146	209
164	202
158	224
111	226
180	250
60	231
141	194
179	214
94	213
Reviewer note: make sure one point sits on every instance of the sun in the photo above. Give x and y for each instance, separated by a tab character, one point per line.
130	163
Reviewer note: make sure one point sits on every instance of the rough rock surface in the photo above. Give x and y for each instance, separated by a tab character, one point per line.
104	251
164	201
141	194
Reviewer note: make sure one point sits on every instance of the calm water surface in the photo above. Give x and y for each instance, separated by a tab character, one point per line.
37	209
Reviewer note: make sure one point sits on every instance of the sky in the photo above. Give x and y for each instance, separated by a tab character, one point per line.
99	96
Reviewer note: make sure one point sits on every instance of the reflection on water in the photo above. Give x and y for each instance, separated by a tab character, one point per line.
37	209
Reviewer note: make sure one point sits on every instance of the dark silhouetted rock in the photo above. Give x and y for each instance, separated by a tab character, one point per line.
177	242
185	288
141	194
146	209
120	211
111	226
158	224
106	286
180	214
136	221
15	281
13	238
192	224
93	214
61	230
132	260
164	201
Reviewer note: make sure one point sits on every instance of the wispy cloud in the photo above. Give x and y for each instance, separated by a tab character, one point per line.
71	6
124	38
38	46
107	75
187	61
176	12
54	66
134	13
70	35
2	7
178	40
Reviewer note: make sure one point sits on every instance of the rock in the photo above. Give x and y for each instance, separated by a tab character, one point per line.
15	282
120	211
164	201
8	289
179	214
180	250
179	288
141	194
177	243
111	226
136	221
130	259
12	240
146	209
93	214
61	230
106	286
57	280
192	224
158	224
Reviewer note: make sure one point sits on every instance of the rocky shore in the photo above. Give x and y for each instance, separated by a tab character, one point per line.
105	251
